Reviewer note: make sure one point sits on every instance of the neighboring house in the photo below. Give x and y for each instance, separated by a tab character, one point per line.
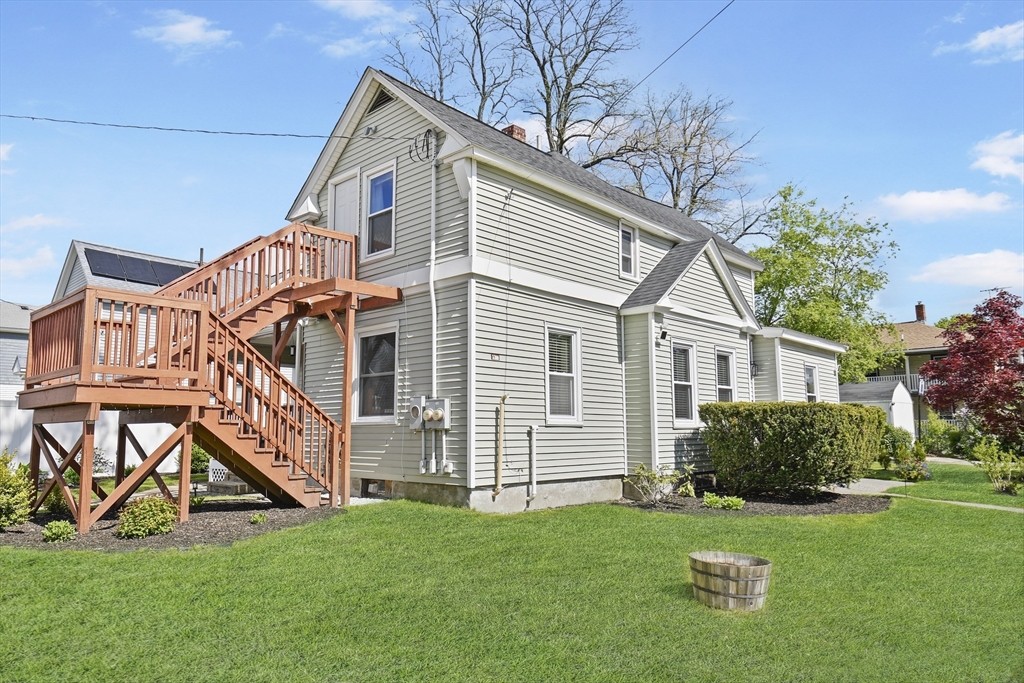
891	396
14	424
922	342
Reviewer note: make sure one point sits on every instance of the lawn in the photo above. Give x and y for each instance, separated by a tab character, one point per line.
413	592
961	483
876	472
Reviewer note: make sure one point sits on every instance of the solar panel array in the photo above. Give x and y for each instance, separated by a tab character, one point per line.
133	269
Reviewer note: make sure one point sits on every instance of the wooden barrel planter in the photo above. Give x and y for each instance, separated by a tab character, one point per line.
732	581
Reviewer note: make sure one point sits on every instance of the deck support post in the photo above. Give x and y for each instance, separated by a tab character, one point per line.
185	478
119	458
85	477
33	466
346	403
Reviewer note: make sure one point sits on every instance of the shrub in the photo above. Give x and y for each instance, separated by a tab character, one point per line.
72	478
722	502
15	492
58	531
128	469
652	485
685	488
791	449
1004	470
258	518
200	461
892	440
146	517
196	501
55	503
910	464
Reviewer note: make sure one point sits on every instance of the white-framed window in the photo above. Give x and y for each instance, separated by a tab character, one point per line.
379	212
343	202
629	251
684	384
375	384
562	377
811	383
725	375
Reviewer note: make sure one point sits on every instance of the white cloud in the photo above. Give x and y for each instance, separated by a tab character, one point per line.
17	268
997	268
1002	156
933	206
361	10
346	47
377	18
5	151
186	34
999	44
36	221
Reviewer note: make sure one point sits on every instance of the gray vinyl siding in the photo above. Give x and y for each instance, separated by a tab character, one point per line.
794	358
412	193
678	446
11	346
745	279
392	451
701	289
638	390
652	249
510	359
552	234
765	385
76	279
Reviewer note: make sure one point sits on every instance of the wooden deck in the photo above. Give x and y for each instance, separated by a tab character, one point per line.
182	356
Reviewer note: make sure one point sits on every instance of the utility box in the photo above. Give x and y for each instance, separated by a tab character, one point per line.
416	412
437	413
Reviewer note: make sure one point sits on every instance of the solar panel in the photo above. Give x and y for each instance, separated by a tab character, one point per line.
104	264
139	270
166	272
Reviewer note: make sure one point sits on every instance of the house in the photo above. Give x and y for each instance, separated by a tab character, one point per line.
474	321
922	342
14	426
892	397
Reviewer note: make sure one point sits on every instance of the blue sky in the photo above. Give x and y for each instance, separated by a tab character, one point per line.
914	111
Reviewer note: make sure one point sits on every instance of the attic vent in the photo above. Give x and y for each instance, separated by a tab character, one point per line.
383	99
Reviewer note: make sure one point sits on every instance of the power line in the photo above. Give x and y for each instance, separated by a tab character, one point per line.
695	34
206	132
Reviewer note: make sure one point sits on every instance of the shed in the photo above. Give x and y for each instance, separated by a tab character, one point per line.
891	396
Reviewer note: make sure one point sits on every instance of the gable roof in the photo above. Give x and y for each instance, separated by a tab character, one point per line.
918	336
77	255
868	392
15	317
469	131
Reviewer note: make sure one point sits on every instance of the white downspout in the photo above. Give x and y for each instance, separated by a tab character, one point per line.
531	491
430	277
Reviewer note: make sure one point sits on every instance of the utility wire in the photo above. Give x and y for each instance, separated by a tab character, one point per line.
696	33
206	132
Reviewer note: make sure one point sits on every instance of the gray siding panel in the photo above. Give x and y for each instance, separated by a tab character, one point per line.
510	360
765	387
794	358
638	390
745	279
701	289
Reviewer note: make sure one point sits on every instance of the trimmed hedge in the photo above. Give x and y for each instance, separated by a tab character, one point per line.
790	449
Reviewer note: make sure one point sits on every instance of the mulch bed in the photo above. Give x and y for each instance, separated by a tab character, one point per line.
824	504
215	522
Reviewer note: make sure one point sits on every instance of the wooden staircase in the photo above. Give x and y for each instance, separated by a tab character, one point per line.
184	350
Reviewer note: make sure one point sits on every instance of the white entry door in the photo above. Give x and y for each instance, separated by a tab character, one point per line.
345	212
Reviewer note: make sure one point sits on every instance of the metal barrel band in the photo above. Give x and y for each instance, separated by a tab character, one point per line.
729	595
731	578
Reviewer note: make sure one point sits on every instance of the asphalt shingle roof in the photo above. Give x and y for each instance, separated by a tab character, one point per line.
664	275
871	392
556	165
15	317
917	335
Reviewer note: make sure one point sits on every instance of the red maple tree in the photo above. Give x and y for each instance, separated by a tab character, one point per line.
983	371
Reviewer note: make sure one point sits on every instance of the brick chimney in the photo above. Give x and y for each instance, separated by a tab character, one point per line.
919	312
516	132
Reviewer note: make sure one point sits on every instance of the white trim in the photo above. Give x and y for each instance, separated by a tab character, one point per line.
731	353
731	287
652	369
778	370
625	422
364	211
371	331
801	338
472	210
817	383
634	274
471	381
694	420
576	419
332	188
461	169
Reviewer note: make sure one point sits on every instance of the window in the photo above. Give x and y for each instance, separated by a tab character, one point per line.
628	247
563	375
375	386
811	382
723	371
682	382
379	192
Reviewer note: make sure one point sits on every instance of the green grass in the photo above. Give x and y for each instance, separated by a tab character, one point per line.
413	592
876	472
960	483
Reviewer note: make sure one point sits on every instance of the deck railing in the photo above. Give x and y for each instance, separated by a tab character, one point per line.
102	336
254	272
914	383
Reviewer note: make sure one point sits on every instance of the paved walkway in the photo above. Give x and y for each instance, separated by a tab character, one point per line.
948	461
878	487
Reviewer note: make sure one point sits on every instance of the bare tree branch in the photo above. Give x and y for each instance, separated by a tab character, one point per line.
433	38
490	63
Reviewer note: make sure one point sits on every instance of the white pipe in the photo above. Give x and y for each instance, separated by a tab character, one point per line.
430	278
500	465
433	451
446	467
531	491
423	451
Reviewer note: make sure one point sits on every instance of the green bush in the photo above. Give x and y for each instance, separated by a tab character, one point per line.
58	531
200	461
128	469
196	501
652	485
258	518
15	492
146	517
55	503
892	440
722	502
1004	470
71	477
950	441
790	449
910	464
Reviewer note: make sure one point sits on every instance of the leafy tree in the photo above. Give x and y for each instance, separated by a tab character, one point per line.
983	370
821	273
951	321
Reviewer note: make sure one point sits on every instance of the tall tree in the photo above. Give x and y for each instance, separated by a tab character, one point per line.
486	57
435	43
821	273
983	370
